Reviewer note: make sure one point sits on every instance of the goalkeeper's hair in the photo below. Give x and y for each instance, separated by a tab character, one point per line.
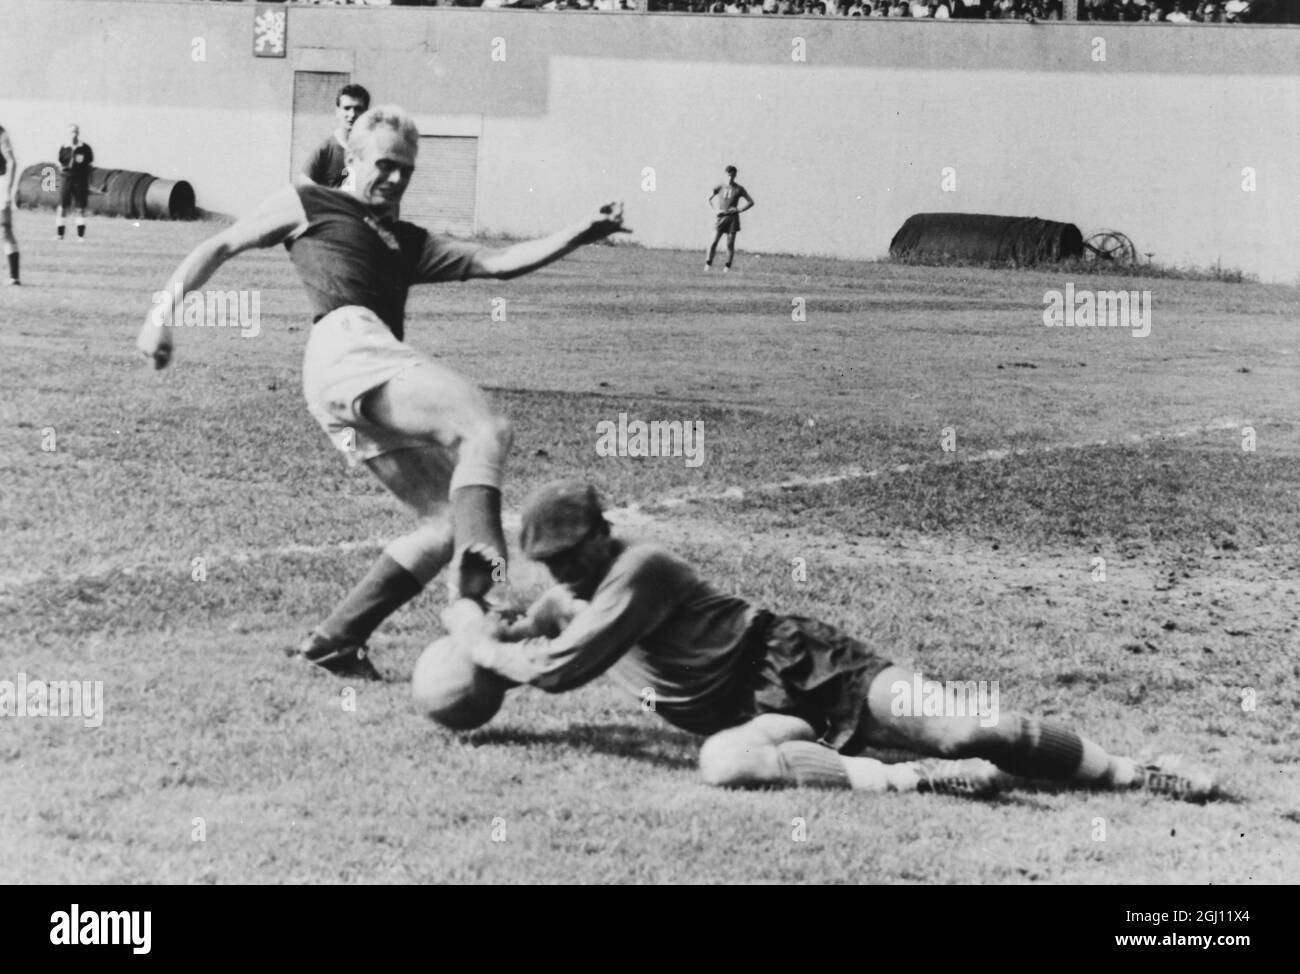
390	116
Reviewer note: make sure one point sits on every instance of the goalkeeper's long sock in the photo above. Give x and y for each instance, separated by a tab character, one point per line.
385	589
13	266
808	765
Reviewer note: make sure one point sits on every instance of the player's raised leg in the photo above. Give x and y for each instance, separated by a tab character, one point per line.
433	402
1018	745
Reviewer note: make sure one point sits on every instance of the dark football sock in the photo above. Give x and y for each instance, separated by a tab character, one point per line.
385	589
13	266
60	228
81	229
476	520
1039	751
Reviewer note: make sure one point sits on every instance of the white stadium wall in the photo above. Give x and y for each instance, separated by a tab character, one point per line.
1158	140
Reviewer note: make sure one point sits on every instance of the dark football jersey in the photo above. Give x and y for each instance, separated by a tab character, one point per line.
731	194
347	256
327	166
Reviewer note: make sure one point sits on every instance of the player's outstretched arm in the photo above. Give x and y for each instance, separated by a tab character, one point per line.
272	222
524	258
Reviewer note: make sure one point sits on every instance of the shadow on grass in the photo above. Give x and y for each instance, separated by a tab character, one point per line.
1024	791
661	746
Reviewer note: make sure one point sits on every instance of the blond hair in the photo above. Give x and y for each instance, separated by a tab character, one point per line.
390	116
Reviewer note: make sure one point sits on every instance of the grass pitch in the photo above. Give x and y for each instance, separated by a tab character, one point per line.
218	761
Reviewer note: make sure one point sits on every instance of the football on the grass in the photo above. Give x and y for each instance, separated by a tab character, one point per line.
454	691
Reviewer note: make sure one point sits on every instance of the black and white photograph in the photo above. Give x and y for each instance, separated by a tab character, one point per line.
651	442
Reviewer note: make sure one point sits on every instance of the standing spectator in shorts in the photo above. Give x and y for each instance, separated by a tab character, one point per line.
327	166
75	161
8	200
729	196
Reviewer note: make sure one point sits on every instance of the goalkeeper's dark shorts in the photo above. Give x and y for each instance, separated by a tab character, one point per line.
813	671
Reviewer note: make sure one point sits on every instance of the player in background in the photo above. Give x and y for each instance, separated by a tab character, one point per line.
327	165
8	202
784	700
429	435
75	161
729	196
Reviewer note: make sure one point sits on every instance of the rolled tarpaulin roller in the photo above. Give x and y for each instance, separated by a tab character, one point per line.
983	237
113	192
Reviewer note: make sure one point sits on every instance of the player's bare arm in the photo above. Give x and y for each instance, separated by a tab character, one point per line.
524	258
271	223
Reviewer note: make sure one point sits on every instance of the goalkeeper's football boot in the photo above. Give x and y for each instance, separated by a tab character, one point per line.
971	778
1169	775
340	657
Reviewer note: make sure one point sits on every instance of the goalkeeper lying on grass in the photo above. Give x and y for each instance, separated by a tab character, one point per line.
782	700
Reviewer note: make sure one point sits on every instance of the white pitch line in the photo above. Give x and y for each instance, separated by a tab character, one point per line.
859	473
634	515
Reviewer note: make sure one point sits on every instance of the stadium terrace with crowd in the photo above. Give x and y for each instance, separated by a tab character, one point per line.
1123	11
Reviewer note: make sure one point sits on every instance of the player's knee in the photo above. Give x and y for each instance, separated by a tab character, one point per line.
735	759
958	737
491	434
425	551
434	535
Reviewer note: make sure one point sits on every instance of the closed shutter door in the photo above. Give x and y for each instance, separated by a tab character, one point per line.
313	112
443	191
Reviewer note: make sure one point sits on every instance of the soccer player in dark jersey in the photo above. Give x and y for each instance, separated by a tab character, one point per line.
783	700
75	161
429	435
327	165
8	200
729	196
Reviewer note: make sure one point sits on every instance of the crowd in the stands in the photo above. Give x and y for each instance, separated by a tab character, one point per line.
1161	11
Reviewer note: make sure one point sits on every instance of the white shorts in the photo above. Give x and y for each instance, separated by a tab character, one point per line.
351	353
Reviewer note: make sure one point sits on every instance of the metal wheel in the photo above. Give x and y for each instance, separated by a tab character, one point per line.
1110	245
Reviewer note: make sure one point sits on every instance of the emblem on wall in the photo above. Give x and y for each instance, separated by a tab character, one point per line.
270	31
